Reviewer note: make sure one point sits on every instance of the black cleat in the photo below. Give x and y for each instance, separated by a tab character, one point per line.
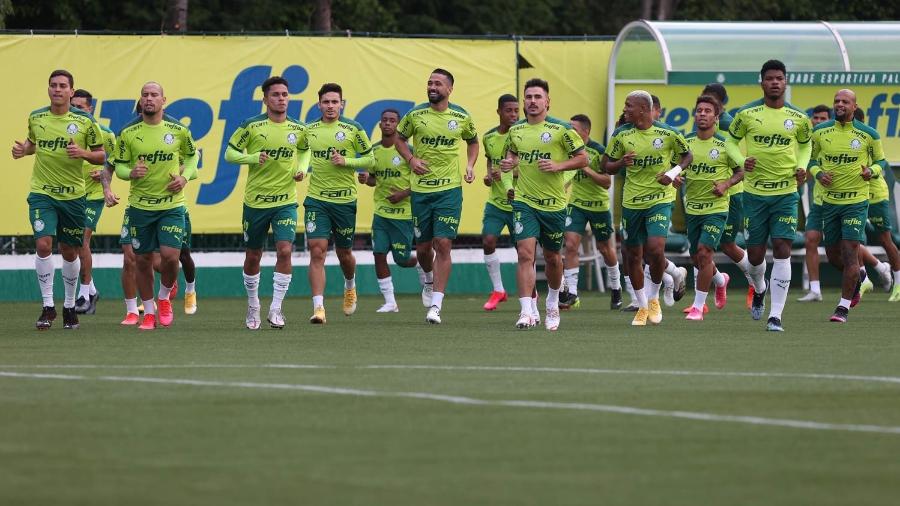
70	318
48	314
566	299
82	305
840	315
615	301
774	325
92	309
758	306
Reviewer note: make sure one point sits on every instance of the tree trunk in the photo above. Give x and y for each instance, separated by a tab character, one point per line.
176	16
322	16
646	9
666	9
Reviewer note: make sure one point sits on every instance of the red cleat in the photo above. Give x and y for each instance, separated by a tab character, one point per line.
722	292
495	298
174	291
750	293
687	310
164	306
131	319
149	322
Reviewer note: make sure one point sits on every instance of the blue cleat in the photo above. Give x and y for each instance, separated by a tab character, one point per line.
758	306
774	325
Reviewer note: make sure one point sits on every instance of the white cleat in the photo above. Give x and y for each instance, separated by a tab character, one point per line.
810	297
887	278
525	321
427	291
668	292
433	316
253	320
388	307
551	322
276	319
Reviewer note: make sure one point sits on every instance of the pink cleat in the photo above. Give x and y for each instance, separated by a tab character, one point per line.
495	299
165	312
694	314
722	292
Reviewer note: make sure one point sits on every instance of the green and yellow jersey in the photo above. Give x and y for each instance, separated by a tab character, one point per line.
878	190
551	139
711	165
437	138
586	193
391	173
772	137
654	149
163	147
94	189
329	182
725	121
841	149
494	150
54	173
270	184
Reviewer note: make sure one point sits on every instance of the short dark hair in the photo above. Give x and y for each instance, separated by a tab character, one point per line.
772	65
61	72
268	83
392	110
711	100
505	98
583	119
621	120
85	94
656	102
445	73
859	115
331	88
537	83
717	90
822	108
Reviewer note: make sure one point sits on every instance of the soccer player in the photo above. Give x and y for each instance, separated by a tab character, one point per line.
62	138
644	148
778	152
841	150
97	196
392	228
707	181
149	154
439	127
498	212
813	233
542	147
339	148
188	268
589	204
274	148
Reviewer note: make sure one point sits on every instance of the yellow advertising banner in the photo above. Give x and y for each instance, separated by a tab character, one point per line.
212	85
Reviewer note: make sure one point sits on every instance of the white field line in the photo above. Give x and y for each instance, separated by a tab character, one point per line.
560	370
461	400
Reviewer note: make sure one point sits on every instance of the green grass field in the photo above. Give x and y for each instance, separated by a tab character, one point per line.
209	413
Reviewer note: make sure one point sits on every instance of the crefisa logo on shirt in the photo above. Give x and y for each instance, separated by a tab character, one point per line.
72	129
169	138
658	143
292	138
788	124
545	137
396	160
452	125
855	144
713	154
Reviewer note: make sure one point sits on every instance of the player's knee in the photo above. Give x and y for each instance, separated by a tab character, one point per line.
442	245
490	243
400	259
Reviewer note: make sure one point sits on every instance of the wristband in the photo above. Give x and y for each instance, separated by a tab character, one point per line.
674	171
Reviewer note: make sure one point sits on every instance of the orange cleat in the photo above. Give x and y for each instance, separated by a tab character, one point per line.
149	322
750	293
131	319
687	310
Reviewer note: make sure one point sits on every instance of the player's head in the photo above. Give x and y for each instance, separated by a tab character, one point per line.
331	100
844	105
582	124
388	123
440	85
537	97
716	90
153	99
60	87
638	106
706	112
508	109
820	113
275	94
83	100
657	107
773	75
859	115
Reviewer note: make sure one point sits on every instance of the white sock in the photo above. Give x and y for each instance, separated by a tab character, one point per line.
844	303
429	276
421	274
571	278
815	286
164	291
131	306
93	290
612	276
668	280
534	309
552	301
149	307
671	269
718	279
70	272
700	299
525	304
387	289
630	289
780	283
318	301
696	275
437	299
758	276
350	284
280	285
653	292
84	291
641	298
744	265
190	287
492	262
251	284
45	272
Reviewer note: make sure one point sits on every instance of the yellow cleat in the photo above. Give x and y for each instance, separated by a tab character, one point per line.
318	316
640	318
655	312
895	294
349	301
190	303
